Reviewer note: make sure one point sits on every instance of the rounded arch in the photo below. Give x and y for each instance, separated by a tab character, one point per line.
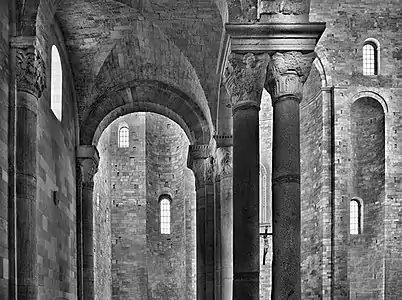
373	95
356	215
147	98
371	56
56	83
322	64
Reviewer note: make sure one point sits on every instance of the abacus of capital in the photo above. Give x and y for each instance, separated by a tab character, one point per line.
277	53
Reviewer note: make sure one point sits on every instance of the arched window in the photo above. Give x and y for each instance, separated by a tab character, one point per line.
165	215
56	84
263	194
355	216
370	58
123	137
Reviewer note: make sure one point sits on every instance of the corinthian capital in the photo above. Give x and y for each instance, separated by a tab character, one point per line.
287	72
244	78
30	66
87	162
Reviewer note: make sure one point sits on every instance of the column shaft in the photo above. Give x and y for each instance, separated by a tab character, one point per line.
209	241
246	203
217	242
88	240
80	278
26	185
200	238
286	199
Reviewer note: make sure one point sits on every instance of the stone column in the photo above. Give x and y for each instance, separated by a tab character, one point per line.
217	233
78	214
244	78
201	162
88	161
224	157
286	74
30	80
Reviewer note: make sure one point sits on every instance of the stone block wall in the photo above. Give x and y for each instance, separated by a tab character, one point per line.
311	130
128	218
4	125
167	148
102	216
366	249
56	221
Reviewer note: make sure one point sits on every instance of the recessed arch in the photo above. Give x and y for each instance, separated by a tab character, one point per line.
371	94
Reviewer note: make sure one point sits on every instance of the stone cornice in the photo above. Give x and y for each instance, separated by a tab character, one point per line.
267	38
287	73
87	161
30	66
223	140
244	78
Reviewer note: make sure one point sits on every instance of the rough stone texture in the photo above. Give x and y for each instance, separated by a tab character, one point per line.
128	218
102	216
4	125
56	172
367	143
144	263
311	127
166	153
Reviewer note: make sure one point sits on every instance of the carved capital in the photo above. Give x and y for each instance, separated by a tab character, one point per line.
87	163
285	7
244	78
287	72
30	67
225	162
196	152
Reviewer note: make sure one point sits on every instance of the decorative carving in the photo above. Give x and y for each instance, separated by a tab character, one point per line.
287	73
285	7
223	140
209	173
225	162
244	78
30	70
87	163
249	9
198	168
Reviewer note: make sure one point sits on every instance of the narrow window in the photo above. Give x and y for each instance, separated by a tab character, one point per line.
370	61
263	194
355	217
123	137
56	83
165	216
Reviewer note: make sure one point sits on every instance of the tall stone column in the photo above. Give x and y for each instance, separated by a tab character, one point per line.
217	233
286	74
30	80
201	162
225	167
244	78
88	161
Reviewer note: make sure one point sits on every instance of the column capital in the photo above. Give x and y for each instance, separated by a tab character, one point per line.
244	79
87	162
223	140
224	157
30	66
201	162
287	72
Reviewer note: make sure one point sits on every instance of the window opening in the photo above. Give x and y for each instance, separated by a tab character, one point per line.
165	216
56	84
355	217
123	137
370	59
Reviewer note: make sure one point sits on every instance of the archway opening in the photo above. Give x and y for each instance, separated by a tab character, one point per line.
144	211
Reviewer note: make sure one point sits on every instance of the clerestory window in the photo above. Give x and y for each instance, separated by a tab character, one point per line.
355	216
124	137
56	84
165	215
370	58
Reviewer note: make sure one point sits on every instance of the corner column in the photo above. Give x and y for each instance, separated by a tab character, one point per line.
225	173
199	161
87	161
244	78
31	81
286	74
